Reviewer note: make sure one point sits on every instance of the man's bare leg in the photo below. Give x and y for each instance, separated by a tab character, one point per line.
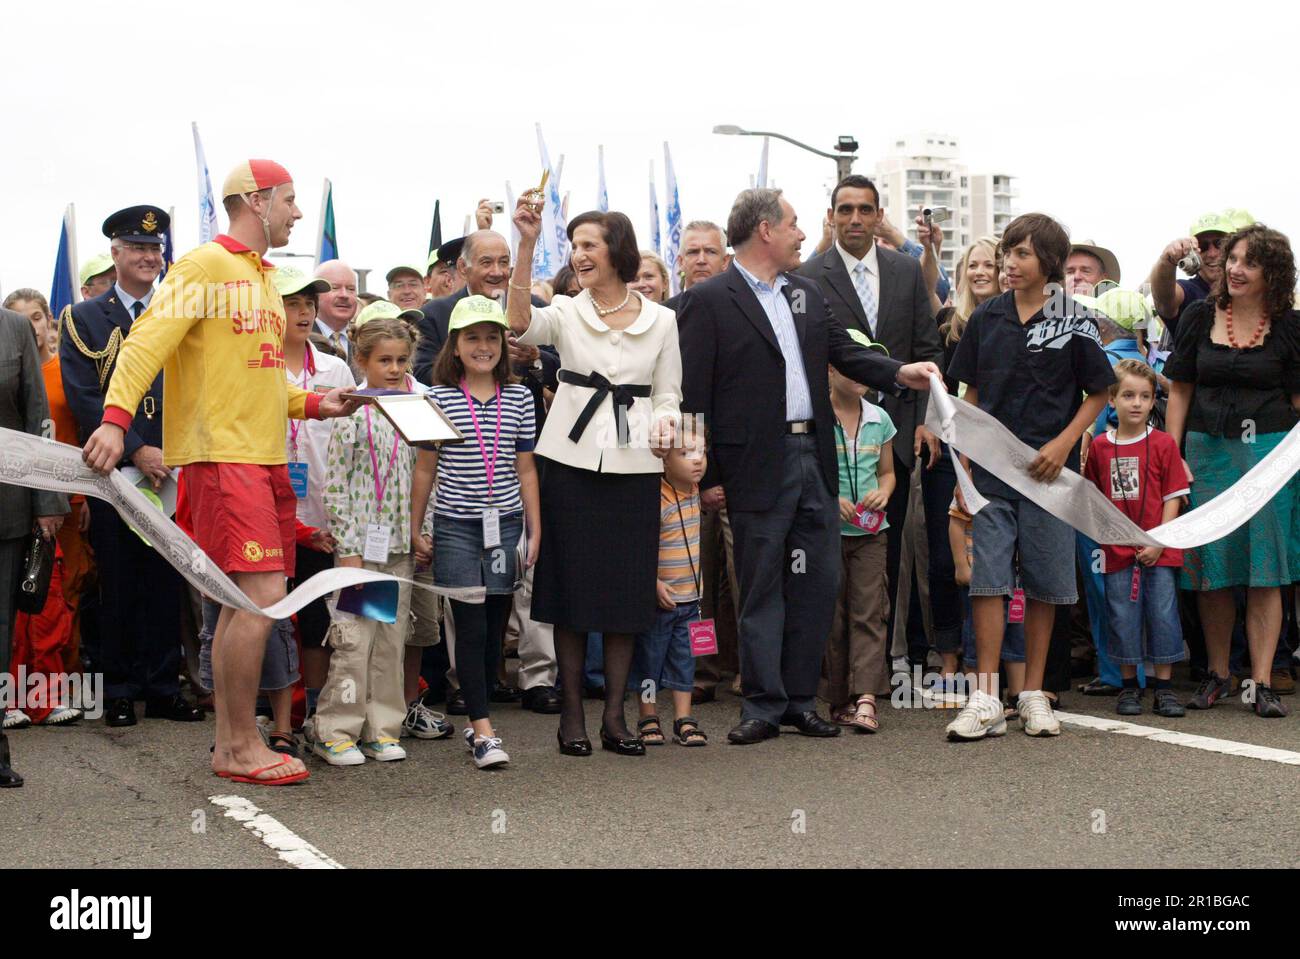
237	650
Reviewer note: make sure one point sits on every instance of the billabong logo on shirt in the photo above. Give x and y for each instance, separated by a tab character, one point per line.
1055	334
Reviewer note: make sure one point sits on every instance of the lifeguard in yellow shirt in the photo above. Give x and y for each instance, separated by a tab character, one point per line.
216	328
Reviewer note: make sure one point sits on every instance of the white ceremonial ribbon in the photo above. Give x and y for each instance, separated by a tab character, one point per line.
1078	502
27	460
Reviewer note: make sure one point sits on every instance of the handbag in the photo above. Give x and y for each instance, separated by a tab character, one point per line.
37	568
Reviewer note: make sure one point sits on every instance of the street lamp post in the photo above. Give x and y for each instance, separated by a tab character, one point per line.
843	157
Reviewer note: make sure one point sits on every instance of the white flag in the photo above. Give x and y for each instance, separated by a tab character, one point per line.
674	217
602	194
550	253
514	230
762	166
655	243
208	228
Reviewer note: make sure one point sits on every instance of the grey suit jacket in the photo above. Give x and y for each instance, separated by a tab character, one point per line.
23	406
904	325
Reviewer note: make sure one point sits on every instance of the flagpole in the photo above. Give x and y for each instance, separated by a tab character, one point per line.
73	267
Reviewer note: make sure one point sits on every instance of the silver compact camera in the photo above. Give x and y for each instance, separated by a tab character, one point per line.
937	214
1191	263
498	206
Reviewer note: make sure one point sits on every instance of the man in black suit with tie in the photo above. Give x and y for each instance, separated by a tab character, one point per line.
139	594
756	342
882	293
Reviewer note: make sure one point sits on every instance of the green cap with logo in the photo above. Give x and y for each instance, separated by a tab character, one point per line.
1125	308
383	310
857	336
1212	223
404	268
289	280
1240	219
100	263
476	309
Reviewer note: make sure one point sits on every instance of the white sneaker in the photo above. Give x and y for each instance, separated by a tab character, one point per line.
423	723
384	750
980	717
344	752
1036	714
488	752
16	719
61	716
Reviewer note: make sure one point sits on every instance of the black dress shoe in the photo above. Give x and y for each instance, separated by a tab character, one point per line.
456	704
752	731
632	746
810	724
120	712
573	747
8	778
542	699
174	708
506	694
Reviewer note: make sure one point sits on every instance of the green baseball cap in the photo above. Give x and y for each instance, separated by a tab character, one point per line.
1212	223
404	268
1125	308
476	309
383	310
97	264
859	337
289	280
1240	219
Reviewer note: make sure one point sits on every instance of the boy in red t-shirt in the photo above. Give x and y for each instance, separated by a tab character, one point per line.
1142	472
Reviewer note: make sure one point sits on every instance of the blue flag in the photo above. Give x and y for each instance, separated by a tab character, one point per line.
65	287
674	222
168	255
550	253
327	247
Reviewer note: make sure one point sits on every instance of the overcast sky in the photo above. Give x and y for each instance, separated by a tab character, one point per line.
1124	120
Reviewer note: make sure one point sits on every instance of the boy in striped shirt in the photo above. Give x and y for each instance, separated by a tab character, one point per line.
663	657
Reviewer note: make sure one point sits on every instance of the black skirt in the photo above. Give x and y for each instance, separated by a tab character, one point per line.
600	550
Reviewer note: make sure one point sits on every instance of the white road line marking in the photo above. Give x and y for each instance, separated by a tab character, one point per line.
1207	743
287	844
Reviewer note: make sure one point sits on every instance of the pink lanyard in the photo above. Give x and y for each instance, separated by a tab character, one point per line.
490	468
308	371
374	462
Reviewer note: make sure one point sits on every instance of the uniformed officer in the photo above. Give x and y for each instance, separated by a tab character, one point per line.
139	594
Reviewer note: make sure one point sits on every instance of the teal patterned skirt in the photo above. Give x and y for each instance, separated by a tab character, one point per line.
1262	552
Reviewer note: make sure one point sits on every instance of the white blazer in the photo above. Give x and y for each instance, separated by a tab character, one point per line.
644	354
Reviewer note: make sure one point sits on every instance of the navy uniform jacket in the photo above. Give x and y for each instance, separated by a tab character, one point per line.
91	328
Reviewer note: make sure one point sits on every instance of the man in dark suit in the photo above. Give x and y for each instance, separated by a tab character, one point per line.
882	293
756	342
138	594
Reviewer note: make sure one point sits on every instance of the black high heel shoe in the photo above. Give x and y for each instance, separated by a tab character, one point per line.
573	747
624	747
8	778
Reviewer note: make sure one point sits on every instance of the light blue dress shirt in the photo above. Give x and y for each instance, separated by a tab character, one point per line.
127	300
798	399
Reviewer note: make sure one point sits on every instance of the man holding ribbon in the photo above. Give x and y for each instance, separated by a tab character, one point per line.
216	328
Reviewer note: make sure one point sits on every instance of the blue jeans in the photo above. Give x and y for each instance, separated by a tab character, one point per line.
1094	591
663	655
1156	609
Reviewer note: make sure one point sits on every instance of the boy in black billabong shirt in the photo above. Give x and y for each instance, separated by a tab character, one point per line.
1027	357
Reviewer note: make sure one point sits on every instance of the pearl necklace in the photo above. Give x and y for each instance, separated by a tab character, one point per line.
1232	340
603	312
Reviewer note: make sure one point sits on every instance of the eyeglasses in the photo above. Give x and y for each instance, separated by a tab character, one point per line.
407	285
1210	243
152	248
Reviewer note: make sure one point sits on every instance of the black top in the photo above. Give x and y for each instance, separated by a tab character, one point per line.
1232	385
1194	290
1031	377
945	316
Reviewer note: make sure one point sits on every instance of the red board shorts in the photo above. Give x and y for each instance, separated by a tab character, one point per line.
243	515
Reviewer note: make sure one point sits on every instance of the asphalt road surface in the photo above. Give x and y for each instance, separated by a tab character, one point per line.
144	796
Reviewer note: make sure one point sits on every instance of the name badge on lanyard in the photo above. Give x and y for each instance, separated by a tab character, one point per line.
378	536
491	515
298	473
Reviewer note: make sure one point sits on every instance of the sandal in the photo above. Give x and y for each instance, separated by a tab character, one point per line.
843	715
864	716
651	733
688	733
283	743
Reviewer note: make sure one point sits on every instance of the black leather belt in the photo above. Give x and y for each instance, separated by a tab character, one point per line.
801	427
621	396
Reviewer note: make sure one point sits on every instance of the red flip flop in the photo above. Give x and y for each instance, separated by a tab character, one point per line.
254	778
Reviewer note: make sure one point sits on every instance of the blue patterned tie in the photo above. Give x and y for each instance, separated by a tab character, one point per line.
867	297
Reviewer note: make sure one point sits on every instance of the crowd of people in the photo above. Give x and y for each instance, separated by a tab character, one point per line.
729	488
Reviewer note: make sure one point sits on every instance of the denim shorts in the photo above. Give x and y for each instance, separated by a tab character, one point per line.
279	662
1013	637
663	655
459	558
1046	548
1156	608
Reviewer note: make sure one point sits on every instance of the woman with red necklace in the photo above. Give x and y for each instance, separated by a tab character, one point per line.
1235	376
